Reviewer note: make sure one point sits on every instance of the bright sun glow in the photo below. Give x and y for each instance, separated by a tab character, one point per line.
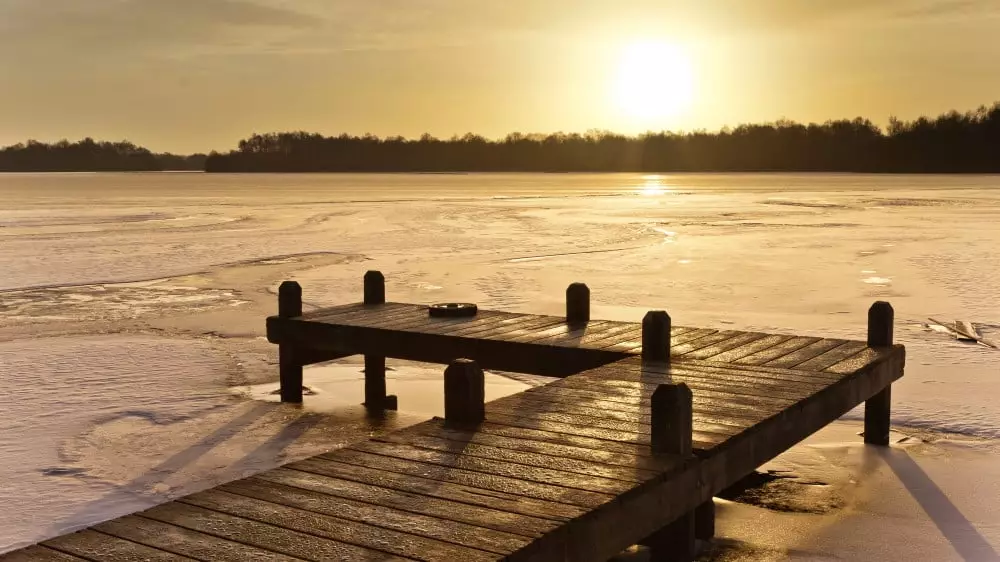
655	80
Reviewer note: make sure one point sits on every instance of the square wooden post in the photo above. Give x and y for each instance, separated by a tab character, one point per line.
577	304
289	367
877	408
671	427
464	393
656	336
375	396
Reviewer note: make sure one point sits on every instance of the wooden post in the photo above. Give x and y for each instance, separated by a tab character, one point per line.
656	336
374	287
675	542
704	521
877	408
577	304
671	421
375	396
464	392
289	368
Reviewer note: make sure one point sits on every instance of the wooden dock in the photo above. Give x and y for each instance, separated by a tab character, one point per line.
649	422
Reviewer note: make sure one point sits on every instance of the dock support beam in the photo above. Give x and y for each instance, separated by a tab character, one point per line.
877	408
464	393
671	421
290	367
656	336
375	397
577	304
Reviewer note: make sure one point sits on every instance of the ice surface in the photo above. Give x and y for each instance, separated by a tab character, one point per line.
131	305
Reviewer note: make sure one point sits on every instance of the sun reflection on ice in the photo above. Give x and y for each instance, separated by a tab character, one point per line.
653	185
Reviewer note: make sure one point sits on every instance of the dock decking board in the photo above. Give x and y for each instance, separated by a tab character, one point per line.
560	471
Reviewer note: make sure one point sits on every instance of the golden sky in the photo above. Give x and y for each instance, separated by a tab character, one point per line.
196	75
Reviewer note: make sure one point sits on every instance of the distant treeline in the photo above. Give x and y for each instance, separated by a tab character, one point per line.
953	142
88	155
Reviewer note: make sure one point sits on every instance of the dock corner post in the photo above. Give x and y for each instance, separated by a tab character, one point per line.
671	434
464	393
877	408
374	287
289	367
375	394
577	303
656	336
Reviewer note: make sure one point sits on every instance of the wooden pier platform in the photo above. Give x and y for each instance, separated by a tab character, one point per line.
649	422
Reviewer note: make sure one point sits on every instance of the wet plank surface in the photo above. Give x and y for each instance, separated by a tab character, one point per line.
568	459
498	337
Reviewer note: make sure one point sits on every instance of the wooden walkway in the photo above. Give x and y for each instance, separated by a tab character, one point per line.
629	450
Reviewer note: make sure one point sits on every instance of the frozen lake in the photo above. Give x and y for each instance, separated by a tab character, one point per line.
132	305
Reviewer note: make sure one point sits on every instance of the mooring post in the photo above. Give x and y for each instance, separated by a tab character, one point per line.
289	367
464	393
577	304
656	336
375	396
671	427
877	408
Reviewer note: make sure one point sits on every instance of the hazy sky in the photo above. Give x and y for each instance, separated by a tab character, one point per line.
186	75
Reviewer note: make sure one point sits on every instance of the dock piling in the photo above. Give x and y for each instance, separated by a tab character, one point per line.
671	420
289	367
464	392
878	407
375	393
656	336
577	303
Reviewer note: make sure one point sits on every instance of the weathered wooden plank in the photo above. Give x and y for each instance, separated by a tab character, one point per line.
450	326
704	430
832	357
780	350
759	371
760	392
709	408
484	480
520	432
481	322
723	346
186	542
261	535
630	413
443	530
484	330
474	515
803	354
548	449
741	351
93	545
39	553
501	500
559	330
527	329
701	441
360	313
859	360
592	332
703	342
530	459
333	528
794	381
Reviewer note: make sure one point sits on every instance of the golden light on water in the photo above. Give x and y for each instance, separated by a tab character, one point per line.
655	80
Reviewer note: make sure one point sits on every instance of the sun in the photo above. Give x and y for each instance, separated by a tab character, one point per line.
654	80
